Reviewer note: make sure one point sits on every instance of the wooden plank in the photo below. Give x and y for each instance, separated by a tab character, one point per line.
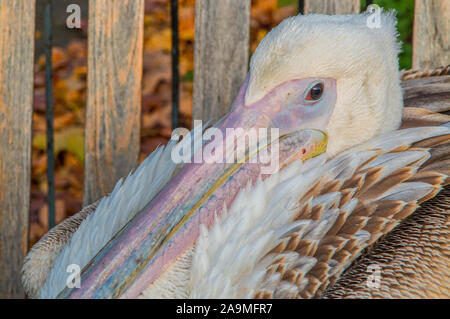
115	53
431	34
332	6
221	48
16	97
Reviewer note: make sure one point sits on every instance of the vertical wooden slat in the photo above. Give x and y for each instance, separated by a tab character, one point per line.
332	6
431	35
115	54
16	96
222	36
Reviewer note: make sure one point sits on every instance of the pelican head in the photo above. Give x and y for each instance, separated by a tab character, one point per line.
326	82
361	60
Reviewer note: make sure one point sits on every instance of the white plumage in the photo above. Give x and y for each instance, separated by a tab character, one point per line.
112	213
230	260
362	60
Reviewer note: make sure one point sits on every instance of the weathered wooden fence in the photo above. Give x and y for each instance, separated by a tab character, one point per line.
114	93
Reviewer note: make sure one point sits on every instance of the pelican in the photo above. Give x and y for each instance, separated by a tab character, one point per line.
360	189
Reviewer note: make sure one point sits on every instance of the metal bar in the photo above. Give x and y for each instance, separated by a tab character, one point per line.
175	63
49	112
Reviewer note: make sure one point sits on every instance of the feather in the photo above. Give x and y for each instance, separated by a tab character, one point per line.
77	239
321	231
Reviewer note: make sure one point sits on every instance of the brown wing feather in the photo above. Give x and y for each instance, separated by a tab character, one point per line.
42	255
414	259
428	89
415	256
376	216
414	117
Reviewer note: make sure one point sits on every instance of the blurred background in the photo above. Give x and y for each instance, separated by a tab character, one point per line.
70	67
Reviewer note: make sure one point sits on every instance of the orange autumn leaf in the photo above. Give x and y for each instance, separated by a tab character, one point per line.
159	41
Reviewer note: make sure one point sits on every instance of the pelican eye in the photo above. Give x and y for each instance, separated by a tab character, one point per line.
315	92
